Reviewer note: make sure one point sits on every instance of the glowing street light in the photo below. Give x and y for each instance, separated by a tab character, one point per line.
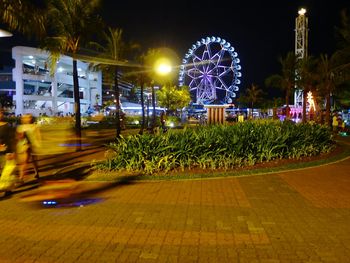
302	11
4	33
163	67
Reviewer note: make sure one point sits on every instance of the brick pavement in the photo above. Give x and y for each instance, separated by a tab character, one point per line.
296	216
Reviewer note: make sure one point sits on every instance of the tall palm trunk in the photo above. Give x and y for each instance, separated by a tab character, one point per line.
328	110
117	103
76	105
154	109
142	109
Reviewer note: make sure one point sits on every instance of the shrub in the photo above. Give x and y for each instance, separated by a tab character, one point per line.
218	146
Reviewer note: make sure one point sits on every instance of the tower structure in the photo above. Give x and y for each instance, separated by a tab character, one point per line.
301	46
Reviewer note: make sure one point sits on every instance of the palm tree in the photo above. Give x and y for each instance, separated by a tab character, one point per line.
253	95
140	77
66	22
114	51
149	59
327	82
24	16
342	55
285	81
71	21
306	78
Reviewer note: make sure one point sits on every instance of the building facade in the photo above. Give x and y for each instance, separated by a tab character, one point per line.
39	92
7	89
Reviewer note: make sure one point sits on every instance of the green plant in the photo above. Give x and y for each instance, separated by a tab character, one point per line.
218	146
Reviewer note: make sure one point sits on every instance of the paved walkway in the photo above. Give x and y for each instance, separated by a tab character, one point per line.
296	216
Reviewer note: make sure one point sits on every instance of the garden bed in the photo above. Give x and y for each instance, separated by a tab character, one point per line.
220	150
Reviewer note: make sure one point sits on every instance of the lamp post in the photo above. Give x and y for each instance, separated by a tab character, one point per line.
162	68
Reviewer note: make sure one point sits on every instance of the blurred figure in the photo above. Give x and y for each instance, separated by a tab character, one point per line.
8	178
7	157
6	140
22	154
340	123
32	134
335	123
240	117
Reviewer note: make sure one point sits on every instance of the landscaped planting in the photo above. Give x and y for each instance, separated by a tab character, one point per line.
217	146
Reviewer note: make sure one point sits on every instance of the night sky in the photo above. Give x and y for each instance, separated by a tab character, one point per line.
260	31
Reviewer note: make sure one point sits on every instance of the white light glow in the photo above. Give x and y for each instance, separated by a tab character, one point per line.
164	69
4	33
302	11
163	66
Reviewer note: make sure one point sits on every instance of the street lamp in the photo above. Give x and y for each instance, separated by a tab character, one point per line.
162	67
4	33
302	11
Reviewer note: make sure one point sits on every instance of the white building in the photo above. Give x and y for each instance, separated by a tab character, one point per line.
39	92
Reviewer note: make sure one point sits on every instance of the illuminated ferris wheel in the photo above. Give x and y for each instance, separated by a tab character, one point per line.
211	70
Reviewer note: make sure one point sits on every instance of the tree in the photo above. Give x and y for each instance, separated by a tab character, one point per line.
70	23
173	98
133	95
25	16
306	78
252	95
62	24
140	78
341	58
342	55
114	51
285	81
327	82
149	59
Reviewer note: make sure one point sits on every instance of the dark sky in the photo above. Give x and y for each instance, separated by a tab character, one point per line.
260	31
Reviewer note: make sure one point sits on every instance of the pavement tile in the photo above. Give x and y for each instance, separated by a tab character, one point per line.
295	216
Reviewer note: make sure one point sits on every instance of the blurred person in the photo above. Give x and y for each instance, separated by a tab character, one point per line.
340	124
32	133
8	177
6	139
22	154
240	117
7	157
335	123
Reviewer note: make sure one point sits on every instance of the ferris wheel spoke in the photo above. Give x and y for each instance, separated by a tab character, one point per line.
196	57
194	73
226	70
223	84
193	84
220	56
197	62
209	51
